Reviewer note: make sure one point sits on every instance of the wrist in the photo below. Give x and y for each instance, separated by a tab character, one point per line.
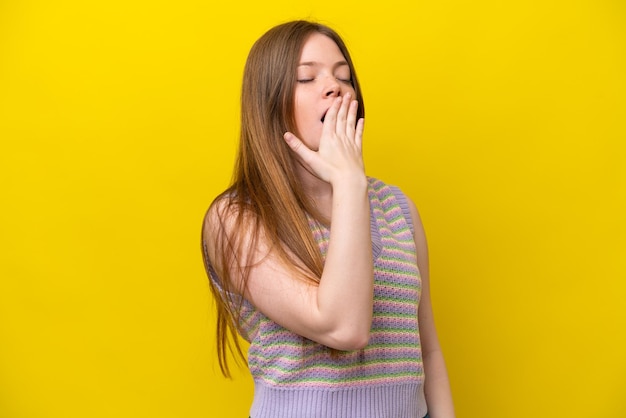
350	182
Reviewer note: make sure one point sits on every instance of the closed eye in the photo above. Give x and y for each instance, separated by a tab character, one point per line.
305	80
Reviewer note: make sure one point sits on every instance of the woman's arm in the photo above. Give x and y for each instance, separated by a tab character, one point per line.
437	385
337	312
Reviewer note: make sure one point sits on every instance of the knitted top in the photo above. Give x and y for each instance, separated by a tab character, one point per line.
297	378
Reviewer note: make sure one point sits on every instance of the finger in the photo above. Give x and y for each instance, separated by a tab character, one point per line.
358	136
330	121
297	146
351	120
342	114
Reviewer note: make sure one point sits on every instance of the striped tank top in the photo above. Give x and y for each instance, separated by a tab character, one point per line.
297	378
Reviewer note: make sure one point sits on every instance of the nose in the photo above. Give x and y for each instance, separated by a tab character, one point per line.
332	88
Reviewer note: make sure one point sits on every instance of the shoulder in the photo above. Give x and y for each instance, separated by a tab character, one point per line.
226	213
229	231
392	197
221	212
414	221
226	223
385	190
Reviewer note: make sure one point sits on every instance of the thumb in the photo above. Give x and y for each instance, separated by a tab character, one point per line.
297	146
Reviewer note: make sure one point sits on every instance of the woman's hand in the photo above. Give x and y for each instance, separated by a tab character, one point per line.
340	147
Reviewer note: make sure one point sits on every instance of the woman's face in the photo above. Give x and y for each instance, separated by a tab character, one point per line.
322	75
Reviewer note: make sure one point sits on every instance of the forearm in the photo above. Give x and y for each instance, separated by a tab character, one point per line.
437	386
345	293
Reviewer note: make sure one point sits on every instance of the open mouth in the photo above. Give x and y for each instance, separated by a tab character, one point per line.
323	116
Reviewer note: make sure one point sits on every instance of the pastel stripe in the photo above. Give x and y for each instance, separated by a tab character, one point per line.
279	358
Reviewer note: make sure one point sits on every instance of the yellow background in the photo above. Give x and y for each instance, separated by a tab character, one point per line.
504	121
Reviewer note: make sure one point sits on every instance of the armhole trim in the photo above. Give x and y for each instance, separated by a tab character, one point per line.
404	205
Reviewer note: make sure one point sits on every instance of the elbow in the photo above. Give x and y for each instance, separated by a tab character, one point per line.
346	331
359	342
351	339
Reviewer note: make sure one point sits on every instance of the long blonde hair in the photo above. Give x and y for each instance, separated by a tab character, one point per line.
266	194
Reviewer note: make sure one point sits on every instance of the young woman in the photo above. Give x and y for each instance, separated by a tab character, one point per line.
322	269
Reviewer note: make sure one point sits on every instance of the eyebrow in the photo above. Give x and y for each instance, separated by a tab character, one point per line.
314	63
